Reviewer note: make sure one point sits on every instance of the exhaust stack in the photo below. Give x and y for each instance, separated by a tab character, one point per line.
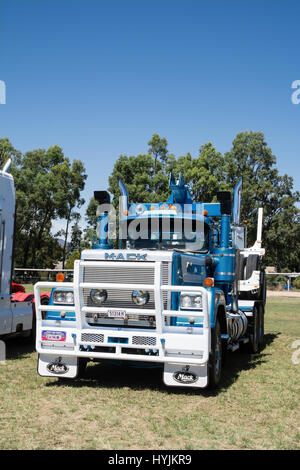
103	199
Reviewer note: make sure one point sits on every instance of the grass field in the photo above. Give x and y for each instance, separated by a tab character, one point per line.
257	406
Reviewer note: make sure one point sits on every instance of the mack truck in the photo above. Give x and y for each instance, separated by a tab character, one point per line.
178	291
17	308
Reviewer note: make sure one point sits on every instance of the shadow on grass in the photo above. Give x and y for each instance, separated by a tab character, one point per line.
104	375
18	348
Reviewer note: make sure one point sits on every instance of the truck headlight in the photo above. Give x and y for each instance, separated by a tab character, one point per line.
63	297
98	296
193	302
139	209
140	297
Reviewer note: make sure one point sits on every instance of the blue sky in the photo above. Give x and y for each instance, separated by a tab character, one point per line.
100	77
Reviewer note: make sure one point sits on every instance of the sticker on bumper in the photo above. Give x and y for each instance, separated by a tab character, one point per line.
49	335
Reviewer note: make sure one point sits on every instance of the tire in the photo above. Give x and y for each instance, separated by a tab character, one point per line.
253	345
261	326
82	363
263	286
215	360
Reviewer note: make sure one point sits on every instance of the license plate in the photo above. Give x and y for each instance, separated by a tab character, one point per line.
116	314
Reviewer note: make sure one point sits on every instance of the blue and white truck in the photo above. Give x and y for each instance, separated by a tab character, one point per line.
179	291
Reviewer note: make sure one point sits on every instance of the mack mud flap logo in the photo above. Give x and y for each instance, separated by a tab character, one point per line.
185	376
57	367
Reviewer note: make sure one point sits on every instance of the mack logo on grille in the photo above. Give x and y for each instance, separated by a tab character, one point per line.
128	256
185	376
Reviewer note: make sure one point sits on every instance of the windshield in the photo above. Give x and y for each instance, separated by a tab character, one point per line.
165	234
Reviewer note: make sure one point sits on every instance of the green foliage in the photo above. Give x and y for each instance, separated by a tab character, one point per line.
48	187
138	174
296	282
251	159
146	177
70	261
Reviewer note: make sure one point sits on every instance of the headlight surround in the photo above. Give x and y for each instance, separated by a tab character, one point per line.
140	297
63	297
191	302
98	296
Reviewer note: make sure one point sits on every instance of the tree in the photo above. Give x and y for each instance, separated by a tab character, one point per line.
47	187
204	174
158	149
76	238
36	191
8	151
70	181
251	159
70	261
91	220
138	174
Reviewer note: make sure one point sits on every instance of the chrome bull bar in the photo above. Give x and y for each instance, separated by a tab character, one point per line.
165	334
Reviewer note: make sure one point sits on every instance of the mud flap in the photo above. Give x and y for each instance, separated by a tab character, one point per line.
57	366
179	375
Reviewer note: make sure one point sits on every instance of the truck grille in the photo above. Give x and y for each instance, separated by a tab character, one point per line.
121	299
144	340
93	338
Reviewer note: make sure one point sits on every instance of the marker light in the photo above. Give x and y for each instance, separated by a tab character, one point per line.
60	277
205	212
208	282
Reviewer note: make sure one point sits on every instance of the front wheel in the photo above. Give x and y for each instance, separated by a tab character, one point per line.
82	364
215	360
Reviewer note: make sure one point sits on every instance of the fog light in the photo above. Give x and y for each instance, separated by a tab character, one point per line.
98	296
140	297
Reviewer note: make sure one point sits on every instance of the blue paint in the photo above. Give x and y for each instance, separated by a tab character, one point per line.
70	316
112	339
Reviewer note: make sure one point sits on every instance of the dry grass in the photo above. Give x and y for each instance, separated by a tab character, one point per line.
120	408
